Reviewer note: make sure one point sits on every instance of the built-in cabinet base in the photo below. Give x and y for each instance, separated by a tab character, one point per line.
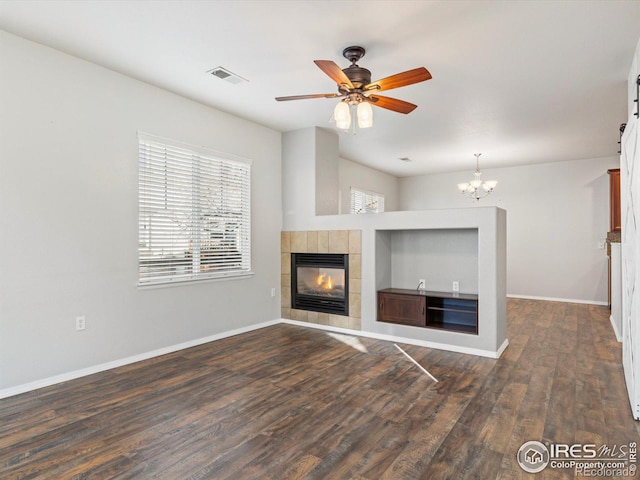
457	312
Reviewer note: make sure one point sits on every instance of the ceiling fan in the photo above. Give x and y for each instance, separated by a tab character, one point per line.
356	87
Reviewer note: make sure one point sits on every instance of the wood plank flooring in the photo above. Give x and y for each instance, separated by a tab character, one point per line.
288	402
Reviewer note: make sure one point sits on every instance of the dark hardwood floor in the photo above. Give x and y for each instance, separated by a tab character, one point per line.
287	402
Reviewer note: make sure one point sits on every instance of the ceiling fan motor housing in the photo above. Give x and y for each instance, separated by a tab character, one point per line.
359	76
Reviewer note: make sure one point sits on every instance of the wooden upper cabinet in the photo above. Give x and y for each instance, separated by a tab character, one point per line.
615	222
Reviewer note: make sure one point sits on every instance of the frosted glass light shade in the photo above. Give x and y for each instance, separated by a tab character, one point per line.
463	186
475	183
489	185
365	115
342	116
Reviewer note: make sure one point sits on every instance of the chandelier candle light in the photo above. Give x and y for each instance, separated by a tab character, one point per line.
476	188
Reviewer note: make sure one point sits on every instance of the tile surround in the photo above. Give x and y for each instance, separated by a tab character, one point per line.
312	242
338	241
354	265
354	285
299	242
355	241
285	242
323	241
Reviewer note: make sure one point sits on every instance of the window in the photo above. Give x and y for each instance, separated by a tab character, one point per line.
194	213
366	202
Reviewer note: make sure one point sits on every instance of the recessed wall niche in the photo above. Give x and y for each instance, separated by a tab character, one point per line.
440	256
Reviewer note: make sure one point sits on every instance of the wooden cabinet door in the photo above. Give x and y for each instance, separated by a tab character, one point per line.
403	309
615	222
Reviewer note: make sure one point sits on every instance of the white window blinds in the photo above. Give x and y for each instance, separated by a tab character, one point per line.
194	213
366	202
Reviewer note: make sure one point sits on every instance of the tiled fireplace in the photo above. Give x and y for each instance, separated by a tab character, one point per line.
335	243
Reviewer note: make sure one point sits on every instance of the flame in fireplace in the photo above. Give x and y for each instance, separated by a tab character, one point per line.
325	281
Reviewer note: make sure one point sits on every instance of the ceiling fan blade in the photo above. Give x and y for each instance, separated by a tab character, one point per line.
303	97
389	103
403	79
334	71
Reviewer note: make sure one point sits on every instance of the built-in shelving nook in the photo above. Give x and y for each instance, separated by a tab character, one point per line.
424	265
466	246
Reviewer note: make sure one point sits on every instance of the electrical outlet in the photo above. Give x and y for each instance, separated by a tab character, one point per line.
602	244
456	286
80	323
422	284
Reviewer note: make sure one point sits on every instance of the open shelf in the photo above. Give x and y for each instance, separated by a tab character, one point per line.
440	310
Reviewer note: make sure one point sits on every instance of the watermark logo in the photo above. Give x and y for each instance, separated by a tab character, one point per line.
533	457
586	460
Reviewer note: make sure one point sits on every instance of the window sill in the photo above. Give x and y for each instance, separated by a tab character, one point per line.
179	283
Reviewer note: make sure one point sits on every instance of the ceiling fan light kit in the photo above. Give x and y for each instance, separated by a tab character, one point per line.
476	188
359	93
342	116
365	115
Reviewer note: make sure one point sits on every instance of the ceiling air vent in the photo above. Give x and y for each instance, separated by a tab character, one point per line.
224	74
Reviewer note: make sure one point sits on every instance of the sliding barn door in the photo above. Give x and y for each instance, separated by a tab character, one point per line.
630	196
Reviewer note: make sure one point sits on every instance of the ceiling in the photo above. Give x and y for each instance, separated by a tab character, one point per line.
521	82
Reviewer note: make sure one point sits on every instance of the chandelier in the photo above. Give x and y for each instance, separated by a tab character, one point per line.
476	188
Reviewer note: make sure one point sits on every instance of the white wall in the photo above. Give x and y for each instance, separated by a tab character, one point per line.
352	174
326	172
313	177
556	215
68	216
437	256
298	175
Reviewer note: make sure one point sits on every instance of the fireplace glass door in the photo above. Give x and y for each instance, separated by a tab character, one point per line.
320	282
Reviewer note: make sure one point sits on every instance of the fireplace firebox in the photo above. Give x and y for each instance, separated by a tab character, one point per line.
320	282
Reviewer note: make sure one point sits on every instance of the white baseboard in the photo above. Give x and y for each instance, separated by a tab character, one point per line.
554	299
615	329
408	341
45	382
502	348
